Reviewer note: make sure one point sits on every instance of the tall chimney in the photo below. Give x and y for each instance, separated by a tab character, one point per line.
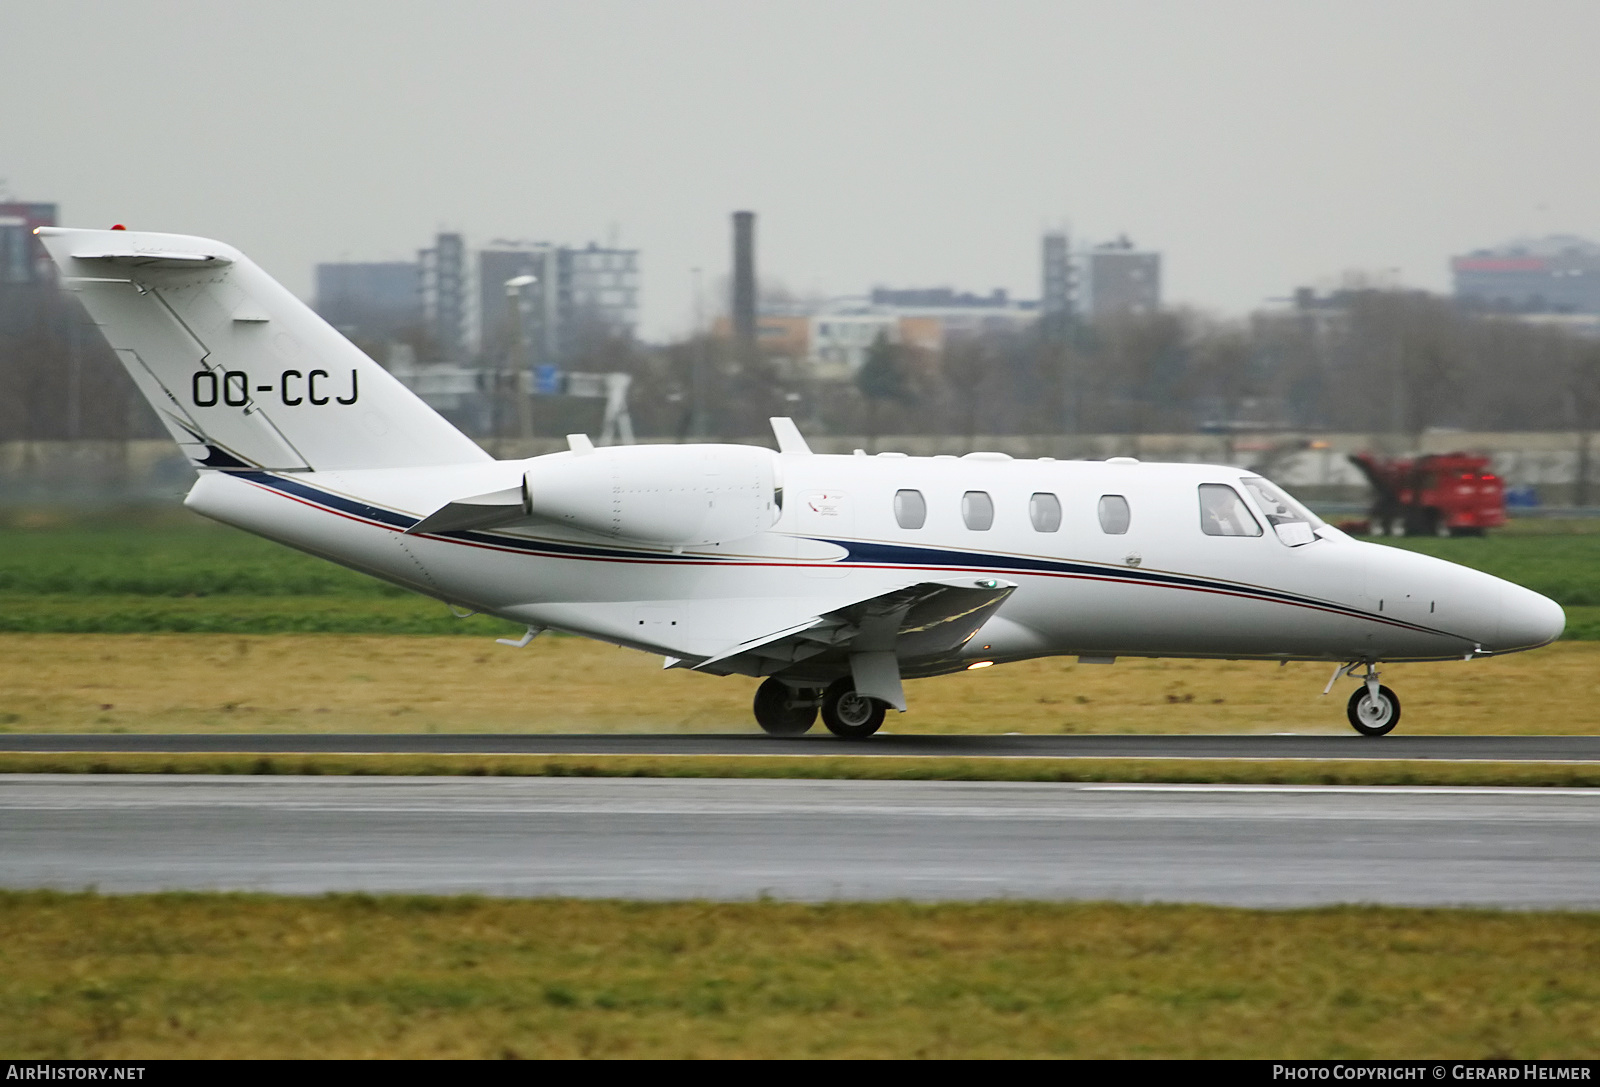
744	285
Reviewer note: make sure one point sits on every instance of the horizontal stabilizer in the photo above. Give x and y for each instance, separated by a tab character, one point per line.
479	511
156	258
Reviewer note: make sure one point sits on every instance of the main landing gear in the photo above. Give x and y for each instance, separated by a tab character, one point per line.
782	710
1373	710
848	715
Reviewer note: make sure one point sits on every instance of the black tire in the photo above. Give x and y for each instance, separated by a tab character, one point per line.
784	711
1373	718
848	715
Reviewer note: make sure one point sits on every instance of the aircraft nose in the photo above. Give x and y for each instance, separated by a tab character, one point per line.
1528	619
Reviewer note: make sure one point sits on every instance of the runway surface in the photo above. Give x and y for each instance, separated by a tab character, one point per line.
806	840
1350	746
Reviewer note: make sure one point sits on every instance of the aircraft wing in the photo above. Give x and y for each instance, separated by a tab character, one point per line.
927	619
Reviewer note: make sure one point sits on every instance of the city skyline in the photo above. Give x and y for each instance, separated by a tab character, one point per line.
1258	147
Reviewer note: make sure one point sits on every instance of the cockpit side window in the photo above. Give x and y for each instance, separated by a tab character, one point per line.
1223	512
1114	514
1291	522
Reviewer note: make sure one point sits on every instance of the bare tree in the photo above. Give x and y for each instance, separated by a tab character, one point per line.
1582	392
883	378
1145	356
1222	370
966	367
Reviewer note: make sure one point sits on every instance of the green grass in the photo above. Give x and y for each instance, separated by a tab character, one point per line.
237	976
149	571
128	613
144	572
1583	624
199	560
1566	568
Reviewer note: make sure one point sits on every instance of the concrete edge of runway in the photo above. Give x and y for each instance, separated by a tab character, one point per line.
804	756
1553	751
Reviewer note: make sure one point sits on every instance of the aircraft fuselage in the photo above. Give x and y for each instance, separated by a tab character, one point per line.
1161	586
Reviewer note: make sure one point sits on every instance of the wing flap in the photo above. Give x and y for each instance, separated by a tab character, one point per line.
761	636
927	619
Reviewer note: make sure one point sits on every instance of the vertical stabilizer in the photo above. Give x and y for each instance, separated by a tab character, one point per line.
242	373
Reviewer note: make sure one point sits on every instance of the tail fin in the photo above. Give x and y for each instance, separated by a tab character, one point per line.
241	372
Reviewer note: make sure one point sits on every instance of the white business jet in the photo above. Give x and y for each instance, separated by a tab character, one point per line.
833	577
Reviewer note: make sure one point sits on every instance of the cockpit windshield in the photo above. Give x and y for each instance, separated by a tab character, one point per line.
1294	524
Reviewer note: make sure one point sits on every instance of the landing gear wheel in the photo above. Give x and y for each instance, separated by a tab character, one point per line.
1373	716
782	710
849	715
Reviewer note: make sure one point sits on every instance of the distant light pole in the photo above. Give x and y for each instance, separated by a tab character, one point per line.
516	293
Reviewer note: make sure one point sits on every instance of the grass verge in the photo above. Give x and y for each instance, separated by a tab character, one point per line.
858	767
357	976
1564	567
363	683
168	570
129	613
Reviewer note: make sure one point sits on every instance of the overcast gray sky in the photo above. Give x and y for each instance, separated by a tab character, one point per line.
1259	145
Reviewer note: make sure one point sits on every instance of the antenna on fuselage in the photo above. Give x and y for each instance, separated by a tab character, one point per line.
788	435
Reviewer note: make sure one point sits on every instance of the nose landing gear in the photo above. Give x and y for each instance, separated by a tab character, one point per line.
1373	710
1373	713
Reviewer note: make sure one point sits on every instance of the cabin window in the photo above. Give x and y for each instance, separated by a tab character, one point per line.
1293	524
910	509
1114	514
977	510
1223	512
1044	510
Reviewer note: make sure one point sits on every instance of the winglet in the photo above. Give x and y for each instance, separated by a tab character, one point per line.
788	435
580	444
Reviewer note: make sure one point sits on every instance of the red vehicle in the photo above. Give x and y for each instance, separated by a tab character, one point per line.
1443	494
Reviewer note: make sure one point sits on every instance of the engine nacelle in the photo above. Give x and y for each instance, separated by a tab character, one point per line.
667	494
